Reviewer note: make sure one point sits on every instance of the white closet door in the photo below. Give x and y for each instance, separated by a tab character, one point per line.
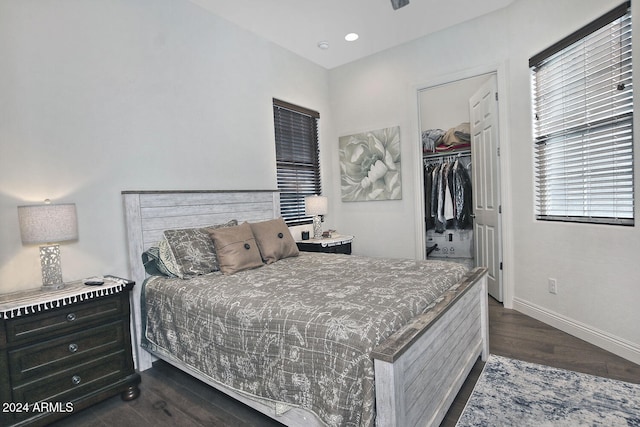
486	183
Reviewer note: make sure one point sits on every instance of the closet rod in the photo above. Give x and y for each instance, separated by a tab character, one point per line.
445	154
443	158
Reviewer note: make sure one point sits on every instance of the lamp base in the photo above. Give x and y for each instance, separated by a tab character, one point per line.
51	270
52	287
317	227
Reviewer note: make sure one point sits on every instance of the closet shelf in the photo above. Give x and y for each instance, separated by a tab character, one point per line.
464	152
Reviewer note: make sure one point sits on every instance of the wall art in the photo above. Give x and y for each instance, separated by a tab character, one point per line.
370	165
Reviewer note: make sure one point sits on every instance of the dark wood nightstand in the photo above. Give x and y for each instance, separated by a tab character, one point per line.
337	244
62	351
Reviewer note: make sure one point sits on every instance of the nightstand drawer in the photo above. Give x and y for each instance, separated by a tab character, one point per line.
68	348
344	248
75	382
337	244
60	320
48	357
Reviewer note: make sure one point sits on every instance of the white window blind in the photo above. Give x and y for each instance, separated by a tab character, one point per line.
583	124
297	159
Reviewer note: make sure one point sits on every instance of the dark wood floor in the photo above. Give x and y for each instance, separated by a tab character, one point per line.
171	398
514	335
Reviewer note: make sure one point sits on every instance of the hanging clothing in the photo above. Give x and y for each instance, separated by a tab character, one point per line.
441	222
447	210
448	201
428	218
462	196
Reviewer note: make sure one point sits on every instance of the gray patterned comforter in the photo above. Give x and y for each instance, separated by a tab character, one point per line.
298	332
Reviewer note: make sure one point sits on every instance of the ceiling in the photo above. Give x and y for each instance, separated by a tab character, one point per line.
299	25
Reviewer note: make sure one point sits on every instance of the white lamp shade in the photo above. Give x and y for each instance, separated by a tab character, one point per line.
48	223
315	205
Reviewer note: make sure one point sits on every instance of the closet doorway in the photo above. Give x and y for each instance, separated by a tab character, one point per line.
459	134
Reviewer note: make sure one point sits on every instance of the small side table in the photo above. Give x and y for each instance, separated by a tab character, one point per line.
64	350
337	244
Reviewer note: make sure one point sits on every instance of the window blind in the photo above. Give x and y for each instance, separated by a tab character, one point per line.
297	159
583	124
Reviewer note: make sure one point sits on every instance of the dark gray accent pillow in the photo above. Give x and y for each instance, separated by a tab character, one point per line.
193	249
153	265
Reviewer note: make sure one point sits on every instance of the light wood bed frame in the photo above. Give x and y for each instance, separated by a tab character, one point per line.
418	370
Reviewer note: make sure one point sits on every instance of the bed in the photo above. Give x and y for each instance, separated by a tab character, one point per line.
377	363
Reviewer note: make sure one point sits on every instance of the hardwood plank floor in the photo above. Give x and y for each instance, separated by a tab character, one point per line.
171	398
515	335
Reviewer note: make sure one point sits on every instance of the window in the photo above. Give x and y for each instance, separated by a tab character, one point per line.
297	159
583	124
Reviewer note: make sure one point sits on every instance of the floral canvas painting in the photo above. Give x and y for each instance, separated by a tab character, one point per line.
370	165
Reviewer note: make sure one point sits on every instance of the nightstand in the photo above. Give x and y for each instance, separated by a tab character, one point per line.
62	351
337	244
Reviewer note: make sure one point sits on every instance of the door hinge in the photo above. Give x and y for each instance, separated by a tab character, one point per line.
500	265
496	96
498	151
500	209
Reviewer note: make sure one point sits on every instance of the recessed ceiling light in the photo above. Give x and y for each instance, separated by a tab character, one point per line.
351	37
323	45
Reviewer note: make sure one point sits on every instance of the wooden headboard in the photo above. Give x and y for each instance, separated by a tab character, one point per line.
149	213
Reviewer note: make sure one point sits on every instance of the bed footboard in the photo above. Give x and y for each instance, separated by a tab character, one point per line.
420	369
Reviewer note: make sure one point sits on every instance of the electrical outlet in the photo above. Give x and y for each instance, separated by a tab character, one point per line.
553	286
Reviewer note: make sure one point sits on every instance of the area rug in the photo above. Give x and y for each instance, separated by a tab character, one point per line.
514	393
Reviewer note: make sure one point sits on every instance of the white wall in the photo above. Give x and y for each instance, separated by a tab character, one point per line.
447	105
102	96
381	91
596	266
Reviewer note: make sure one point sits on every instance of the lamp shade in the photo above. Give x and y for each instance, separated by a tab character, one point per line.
315	205
48	223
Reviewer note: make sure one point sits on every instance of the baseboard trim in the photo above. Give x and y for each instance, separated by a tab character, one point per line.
615	345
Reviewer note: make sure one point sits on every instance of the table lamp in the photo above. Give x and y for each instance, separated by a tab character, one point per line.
49	224
316	206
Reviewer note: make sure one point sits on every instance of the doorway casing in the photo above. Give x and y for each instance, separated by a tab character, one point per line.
503	161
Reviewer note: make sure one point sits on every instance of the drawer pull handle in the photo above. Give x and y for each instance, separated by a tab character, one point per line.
71	317
76	379
73	347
